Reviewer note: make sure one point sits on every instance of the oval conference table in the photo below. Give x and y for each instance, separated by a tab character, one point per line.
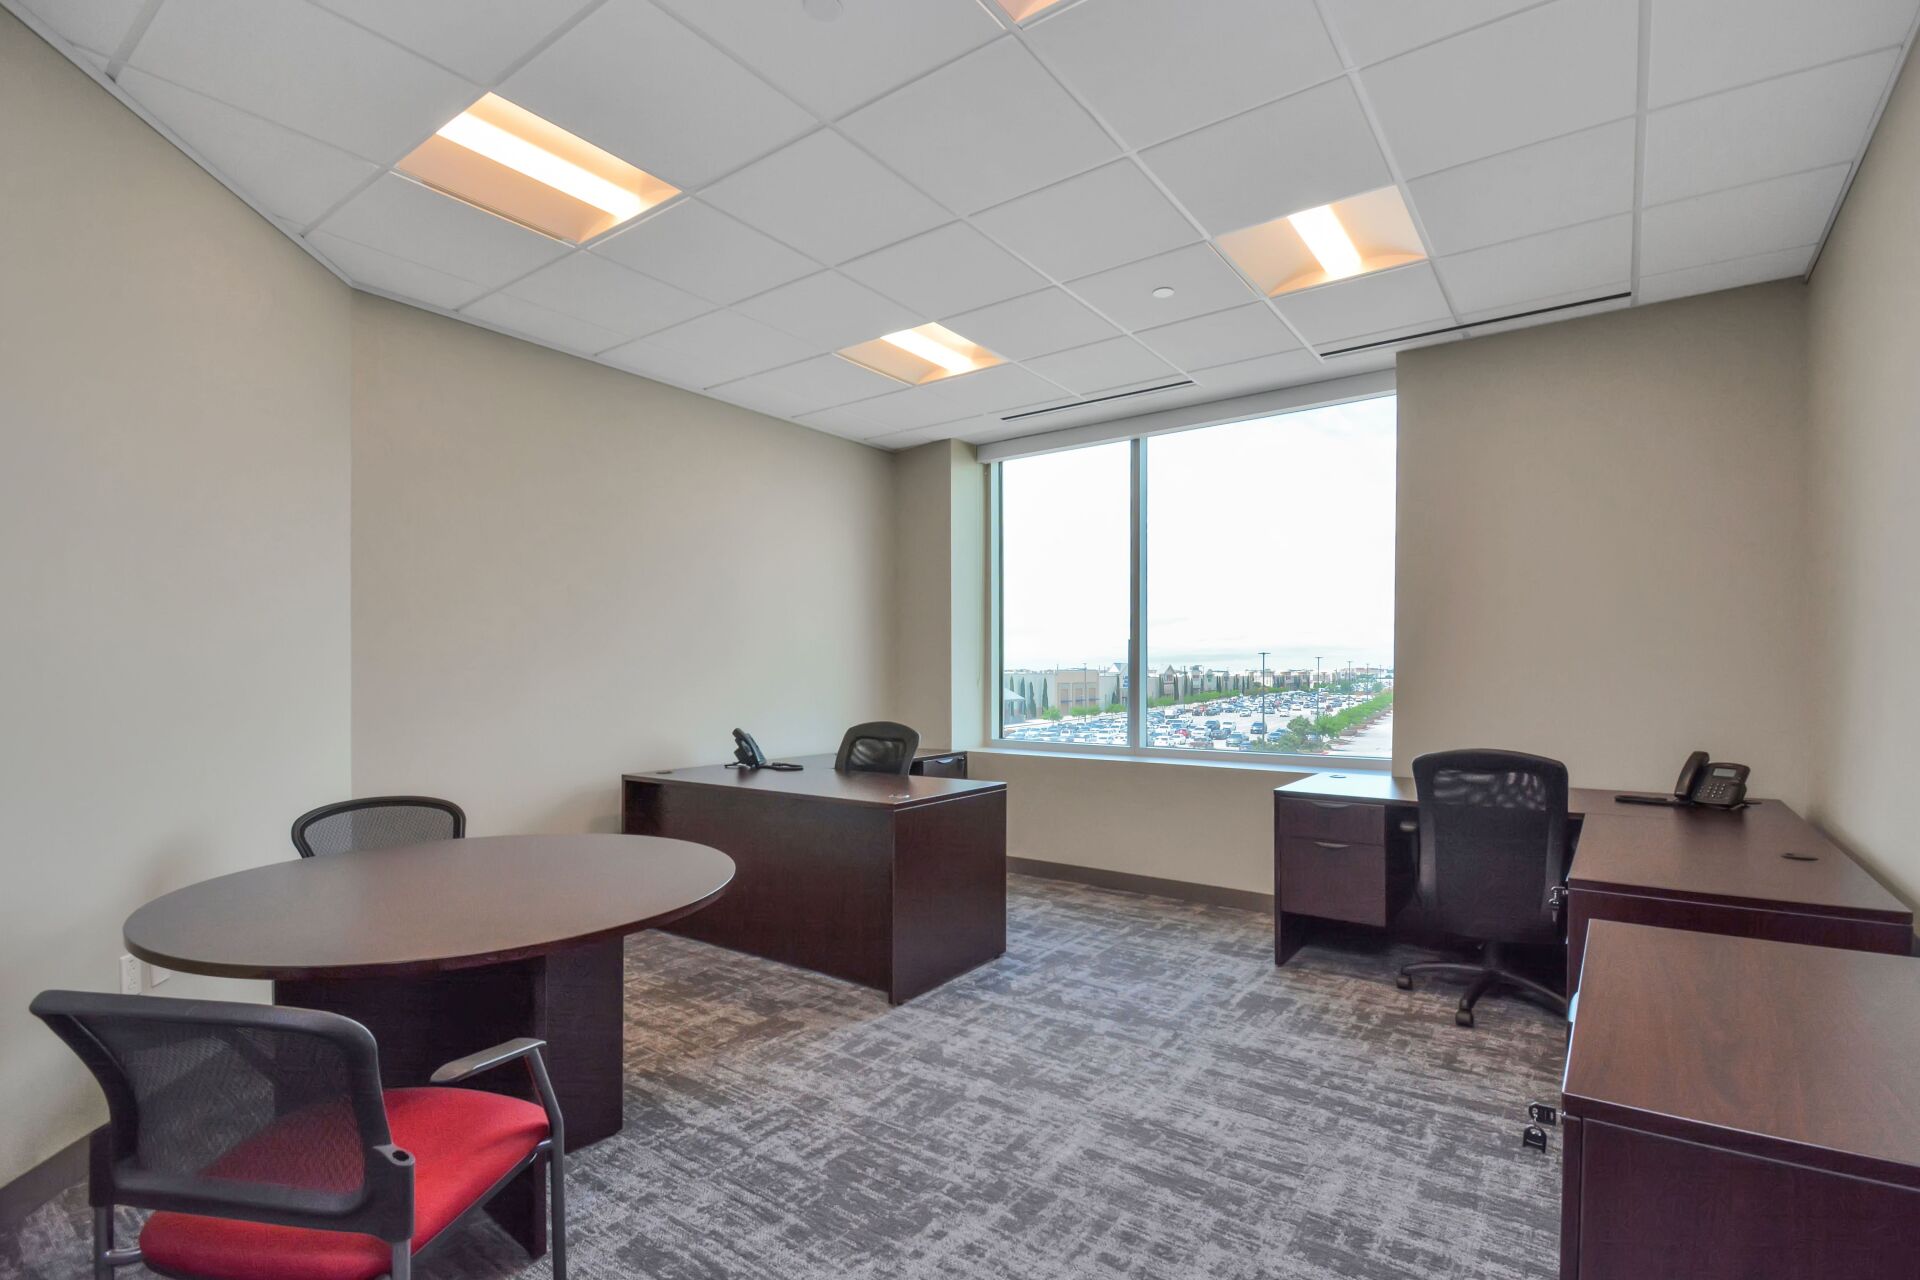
446	948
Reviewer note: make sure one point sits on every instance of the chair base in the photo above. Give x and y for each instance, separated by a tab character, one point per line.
1480	978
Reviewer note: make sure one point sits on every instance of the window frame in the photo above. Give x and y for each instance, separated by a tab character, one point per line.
1289	402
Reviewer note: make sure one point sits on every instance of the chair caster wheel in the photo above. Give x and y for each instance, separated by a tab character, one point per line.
1463	1017
1404	981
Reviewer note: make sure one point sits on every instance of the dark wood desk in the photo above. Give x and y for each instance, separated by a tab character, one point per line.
1344	849
442	949
1741	1108
898	883
1763	872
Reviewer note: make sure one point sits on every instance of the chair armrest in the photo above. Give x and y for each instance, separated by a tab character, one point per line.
526	1049
487	1059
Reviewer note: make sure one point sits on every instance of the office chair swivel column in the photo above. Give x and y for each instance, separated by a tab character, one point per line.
1492	861
264	1141
377	822
879	746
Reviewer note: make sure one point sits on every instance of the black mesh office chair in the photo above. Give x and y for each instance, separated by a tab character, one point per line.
263	1139
1493	861
377	822
879	746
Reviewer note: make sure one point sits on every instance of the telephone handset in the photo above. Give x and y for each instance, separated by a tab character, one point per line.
1711	783
748	755
1702	784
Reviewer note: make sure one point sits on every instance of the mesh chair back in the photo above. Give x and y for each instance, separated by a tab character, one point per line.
377	822
237	1110
1493	842
879	746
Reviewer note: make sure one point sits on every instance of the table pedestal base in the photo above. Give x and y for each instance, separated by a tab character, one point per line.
571	999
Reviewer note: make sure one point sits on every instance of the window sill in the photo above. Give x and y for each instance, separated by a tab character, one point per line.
1254	760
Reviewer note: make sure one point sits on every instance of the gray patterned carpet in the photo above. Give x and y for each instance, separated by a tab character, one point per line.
1134	1091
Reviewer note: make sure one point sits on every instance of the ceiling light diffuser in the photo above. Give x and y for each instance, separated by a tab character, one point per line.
926	354
1328	242
1021	10
503	158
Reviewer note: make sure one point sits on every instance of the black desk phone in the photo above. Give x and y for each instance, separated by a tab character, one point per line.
748	755
1703	784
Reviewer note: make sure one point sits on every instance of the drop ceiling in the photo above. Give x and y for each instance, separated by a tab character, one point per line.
1035	186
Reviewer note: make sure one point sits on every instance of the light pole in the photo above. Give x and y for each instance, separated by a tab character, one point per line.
1266	698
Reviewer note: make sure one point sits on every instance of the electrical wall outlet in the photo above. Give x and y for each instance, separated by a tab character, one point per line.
129	976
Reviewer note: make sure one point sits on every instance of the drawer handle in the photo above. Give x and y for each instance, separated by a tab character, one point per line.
1328	844
1329	804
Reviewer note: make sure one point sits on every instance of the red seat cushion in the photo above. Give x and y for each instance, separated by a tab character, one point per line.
462	1140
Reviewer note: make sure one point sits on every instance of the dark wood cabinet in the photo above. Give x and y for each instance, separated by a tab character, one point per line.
950	764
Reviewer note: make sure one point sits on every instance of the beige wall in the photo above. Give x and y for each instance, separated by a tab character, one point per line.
562	573
173	551
1602	542
940	592
1205	824
1866	459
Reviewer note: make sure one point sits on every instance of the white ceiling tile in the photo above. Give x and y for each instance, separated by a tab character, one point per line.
1780	126
898	440
1001	389
1702	46
1157	68
820	383
657	363
846	421
1399	300
833	67
1034	325
1200	279
478	39
605	294
1262	373
542	325
1224	337
1089	223
1117	362
1374	30
829	310
828	198
1307	150
1536	188
982	130
1594	256
635	82
1781	213
695	247
304	68
723	345
371	269
98	25
1538	74
1533	315
410	221
913	408
945	272
1733	274
289	175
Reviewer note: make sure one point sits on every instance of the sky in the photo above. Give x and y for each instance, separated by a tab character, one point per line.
1273	534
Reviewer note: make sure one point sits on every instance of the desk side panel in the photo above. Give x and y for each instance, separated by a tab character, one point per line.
812	885
1653	1206
950	891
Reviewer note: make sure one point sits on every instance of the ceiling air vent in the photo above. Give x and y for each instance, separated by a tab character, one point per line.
1081	404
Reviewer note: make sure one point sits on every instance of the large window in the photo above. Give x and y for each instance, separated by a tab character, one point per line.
1253	561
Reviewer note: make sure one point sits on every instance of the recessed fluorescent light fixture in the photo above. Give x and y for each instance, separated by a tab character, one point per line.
1021	10
508	161
926	354
1329	242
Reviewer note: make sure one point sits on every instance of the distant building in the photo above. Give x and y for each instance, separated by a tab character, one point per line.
1031	693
